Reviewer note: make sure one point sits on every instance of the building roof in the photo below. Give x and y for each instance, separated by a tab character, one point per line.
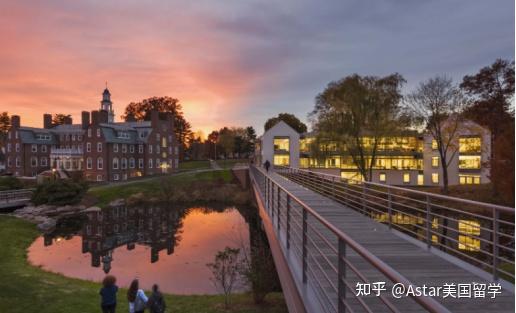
28	136
68	128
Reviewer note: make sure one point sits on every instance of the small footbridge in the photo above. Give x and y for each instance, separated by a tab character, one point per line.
345	246
15	198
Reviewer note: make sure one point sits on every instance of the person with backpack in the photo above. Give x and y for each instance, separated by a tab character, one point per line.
136	297
108	294
156	303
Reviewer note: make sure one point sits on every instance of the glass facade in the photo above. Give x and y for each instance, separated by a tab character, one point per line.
468	229
282	160
281	144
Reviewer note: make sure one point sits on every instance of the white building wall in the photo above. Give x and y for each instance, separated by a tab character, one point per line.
467	128
281	129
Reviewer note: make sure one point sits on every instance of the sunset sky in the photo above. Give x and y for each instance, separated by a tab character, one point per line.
232	63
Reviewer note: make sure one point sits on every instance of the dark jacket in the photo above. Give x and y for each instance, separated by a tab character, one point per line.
108	295
156	303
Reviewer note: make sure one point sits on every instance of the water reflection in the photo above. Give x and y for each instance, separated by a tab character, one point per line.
168	246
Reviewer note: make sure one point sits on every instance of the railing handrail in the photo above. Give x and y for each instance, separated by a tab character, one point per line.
505	209
427	302
16	191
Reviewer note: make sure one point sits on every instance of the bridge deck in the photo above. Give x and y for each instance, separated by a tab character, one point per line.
415	263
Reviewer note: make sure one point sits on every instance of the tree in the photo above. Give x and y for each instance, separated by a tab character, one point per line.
492	92
437	105
250	137
227	141
290	119
141	111
60	119
225	270
5	125
357	112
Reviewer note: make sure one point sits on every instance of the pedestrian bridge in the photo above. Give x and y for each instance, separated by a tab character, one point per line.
345	246
15	198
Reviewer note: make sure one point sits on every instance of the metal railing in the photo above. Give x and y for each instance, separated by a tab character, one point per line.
330	261
9	196
478	233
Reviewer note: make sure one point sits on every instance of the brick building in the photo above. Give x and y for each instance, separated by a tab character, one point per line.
98	148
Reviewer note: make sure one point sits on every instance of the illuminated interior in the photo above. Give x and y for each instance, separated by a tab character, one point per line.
470	145
469	161
435	161
281	144
353	177
282	160
469	179
467	229
435	178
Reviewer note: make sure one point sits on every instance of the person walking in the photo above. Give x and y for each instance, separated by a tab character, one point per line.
156	303
136	297
267	164
108	294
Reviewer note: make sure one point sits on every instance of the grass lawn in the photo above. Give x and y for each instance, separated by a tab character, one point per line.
29	289
229	163
193	165
107	193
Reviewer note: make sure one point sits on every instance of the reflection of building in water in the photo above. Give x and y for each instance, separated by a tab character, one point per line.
110	228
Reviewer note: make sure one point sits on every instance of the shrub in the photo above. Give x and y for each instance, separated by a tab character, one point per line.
10	183
60	192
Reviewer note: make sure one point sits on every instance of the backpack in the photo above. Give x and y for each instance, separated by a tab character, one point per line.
139	304
156	303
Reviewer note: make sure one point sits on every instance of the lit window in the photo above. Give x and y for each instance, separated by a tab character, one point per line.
468	229
420	179
383	177
469	179
281	160
281	144
435	161
470	145
352	177
435	178
434	144
406	178
469	161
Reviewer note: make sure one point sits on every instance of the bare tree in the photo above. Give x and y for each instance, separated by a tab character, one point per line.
437	104
226	271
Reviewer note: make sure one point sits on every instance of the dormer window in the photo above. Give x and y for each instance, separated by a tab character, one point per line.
43	137
124	135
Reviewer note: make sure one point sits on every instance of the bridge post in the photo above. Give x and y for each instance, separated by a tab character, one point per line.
342	277
278	209
288	221
389	206
272	202
496	216
305	251
428	223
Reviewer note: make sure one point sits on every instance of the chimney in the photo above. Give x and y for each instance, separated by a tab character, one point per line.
68	120
154	117
47	121
103	116
95	117
85	119
170	119
15	121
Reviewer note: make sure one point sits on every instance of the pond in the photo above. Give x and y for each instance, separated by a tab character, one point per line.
167	246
